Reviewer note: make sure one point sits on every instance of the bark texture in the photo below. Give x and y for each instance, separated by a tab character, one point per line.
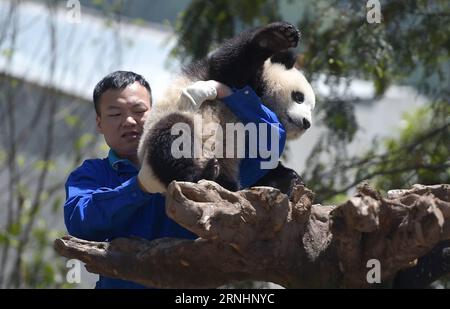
261	234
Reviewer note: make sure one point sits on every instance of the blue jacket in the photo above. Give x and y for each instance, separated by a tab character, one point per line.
104	201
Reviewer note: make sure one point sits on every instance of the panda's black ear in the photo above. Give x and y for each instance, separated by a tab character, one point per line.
286	58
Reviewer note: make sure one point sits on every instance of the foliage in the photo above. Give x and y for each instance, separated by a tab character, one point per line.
205	23
420	154
409	47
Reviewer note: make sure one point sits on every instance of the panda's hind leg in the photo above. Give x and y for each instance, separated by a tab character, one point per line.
164	159
282	178
227	183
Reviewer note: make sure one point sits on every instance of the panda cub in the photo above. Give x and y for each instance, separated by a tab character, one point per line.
258	58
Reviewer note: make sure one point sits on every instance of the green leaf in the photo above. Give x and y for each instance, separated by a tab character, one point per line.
14	83
3	238
42	164
98	2
138	21
49	275
20	160
72	120
57	204
102	147
337	199
7	52
379	72
15	229
83	141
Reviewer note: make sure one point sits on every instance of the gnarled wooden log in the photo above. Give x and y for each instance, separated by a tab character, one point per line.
259	234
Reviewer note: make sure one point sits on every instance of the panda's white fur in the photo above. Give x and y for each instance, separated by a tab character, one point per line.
279	83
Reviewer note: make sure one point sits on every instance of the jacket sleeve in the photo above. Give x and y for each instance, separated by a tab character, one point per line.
249	108
93	212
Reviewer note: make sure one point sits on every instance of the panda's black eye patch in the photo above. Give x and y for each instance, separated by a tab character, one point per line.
298	97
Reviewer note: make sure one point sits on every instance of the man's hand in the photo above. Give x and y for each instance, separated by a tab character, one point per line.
222	89
202	91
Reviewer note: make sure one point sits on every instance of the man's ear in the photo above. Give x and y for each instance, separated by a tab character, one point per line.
98	124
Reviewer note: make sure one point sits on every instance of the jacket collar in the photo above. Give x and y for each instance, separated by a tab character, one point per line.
119	164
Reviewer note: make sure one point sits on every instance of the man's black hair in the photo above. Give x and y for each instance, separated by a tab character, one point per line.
117	80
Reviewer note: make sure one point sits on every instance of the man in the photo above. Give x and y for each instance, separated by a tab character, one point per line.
104	197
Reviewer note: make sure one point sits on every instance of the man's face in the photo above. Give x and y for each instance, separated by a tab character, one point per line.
122	116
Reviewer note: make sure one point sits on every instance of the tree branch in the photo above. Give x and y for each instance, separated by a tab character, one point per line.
259	234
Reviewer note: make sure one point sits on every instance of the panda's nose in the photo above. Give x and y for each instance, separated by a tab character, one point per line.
306	124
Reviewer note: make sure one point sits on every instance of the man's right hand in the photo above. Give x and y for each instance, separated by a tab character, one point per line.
201	91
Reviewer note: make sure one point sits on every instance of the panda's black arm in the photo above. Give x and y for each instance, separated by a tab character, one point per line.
239	61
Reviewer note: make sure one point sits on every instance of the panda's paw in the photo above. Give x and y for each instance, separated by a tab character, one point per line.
278	36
